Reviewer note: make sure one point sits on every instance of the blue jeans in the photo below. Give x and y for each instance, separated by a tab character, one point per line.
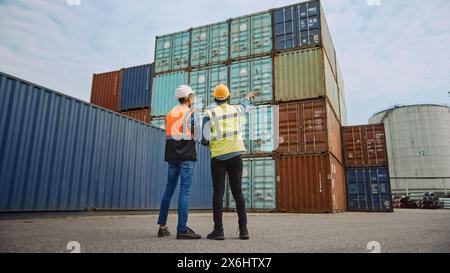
185	170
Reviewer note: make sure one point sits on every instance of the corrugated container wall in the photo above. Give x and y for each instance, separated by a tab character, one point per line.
309	127
172	52
106	90
136	91
342	96
311	184
61	154
163	92
143	115
251	35
369	189
365	146
301	26
305	74
258	185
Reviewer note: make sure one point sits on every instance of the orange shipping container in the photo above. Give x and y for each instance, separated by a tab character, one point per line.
365	146
142	115
106	90
310	184
309	127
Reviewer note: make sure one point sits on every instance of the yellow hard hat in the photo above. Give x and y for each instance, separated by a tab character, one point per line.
221	92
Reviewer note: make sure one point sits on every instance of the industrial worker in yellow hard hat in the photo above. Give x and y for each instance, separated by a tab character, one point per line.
222	132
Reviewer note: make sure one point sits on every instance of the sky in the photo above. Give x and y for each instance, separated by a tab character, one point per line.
392	52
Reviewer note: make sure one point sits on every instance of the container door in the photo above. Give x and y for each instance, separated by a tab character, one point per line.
357	189
240	37
308	24
261	129
284	28
380	194
163	94
261	34
239	81
199	83
262	80
219	43
181	43
264	184
163	54
200	46
217	75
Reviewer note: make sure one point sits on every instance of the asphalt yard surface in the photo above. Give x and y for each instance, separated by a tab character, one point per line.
401	231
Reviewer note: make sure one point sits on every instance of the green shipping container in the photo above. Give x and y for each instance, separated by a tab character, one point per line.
252	75
172	52
209	45
343	103
163	53
258	185
262	129
198	81
159	122
251	35
204	81
163	92
305	74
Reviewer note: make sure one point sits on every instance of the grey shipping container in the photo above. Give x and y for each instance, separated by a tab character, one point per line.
136	91
58	153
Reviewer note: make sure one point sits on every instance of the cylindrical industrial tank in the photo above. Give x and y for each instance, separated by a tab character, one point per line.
418	143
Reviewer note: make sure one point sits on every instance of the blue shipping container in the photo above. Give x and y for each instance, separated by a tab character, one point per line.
368	189
136	90
297	25
58	153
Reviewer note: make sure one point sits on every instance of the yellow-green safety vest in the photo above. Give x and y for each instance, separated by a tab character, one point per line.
226	129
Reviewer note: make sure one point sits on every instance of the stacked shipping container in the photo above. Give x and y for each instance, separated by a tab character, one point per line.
367	174
128	91
287	57
310	172
61	154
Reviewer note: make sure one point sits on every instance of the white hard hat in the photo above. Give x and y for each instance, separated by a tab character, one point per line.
184	91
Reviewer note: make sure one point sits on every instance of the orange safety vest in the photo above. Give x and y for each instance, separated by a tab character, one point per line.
178	123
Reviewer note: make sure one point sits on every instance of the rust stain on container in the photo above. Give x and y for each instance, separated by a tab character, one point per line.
309	127
142	115
310	184
106	90
365	146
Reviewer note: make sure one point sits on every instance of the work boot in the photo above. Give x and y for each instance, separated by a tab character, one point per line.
243	233
217	234
188	235
163	232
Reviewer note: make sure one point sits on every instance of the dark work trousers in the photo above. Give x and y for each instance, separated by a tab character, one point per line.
219	169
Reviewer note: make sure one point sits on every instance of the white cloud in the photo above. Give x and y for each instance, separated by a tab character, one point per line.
393	53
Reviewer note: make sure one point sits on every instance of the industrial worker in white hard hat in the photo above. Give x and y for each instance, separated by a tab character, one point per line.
180	153
222	132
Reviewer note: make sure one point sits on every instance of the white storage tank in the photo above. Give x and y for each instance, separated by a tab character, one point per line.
418	143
